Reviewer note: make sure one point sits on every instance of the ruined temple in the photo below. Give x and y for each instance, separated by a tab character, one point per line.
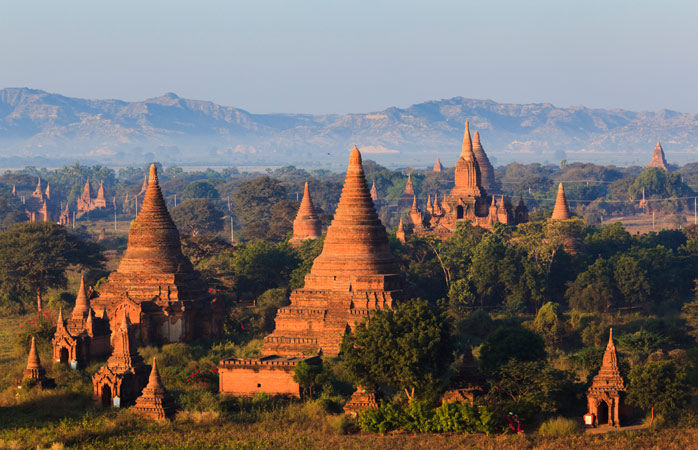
606	394
360	400
82	338
658	159
355	274
307	224
86	203
468	200
122	379
155	284
155	402
39	206
561	211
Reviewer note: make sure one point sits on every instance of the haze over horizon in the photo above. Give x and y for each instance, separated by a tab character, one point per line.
329	57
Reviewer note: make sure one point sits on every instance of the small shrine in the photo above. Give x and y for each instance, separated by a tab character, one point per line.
155	402
35	373
605	396
360	400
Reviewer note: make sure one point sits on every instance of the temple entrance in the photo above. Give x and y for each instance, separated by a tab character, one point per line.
106	396
602	413
64	355
459	212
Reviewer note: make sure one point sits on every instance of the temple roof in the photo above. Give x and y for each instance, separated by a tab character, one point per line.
33	362
409	188
658	159
82	303
561	210
609	377
307	224
356	243
486	169
153	239
438	167
374	192
467	176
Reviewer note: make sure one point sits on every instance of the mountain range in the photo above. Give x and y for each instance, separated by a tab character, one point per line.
37	127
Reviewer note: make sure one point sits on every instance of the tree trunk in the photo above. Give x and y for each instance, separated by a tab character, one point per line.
38	300
410	395
652	418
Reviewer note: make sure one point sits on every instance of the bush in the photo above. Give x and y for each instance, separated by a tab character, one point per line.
10	305
464	418
560	427
386	417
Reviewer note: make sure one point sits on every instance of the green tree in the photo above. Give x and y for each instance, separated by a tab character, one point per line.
689	313
200	189
34	257
594	289
194	216
507	343
631	280
658	385
310	378
259	266
549	323
408	348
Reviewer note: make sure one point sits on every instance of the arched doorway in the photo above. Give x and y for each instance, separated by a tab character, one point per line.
64	356
602	413
459	212
106	396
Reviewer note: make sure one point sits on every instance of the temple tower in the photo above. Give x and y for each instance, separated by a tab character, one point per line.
483	162
605	396
155	402
658	159
355	274
438	167
561	210
405	199
307	224
468	178
35	371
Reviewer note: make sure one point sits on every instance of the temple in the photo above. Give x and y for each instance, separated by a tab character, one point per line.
658	159
561	211
486	169
405	199
155	284
83	338
272	375
35	373
468	201
122	379
86	203
307	224
360	400
438	167
155	402
605	396
355	274
39	207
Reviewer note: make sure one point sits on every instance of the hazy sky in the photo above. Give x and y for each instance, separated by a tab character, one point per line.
319	56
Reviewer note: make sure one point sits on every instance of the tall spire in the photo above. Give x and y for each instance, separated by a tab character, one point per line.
486	169
307	224
34	369
356	243
658	159
124	354
561	210
86	190
438	167
38	191
467	176
409	189
609	374
82	303
154	402
100	192
48	191
467	147
144	187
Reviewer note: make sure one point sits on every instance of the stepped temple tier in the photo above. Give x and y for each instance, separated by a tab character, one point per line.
307	224
83	338
607	391
658	159
155	284
155	402
561	211
355	274
469	200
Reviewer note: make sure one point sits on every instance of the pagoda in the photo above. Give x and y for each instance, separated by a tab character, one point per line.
486	169
39	207
405	199
82	338
307	224
658	159
124	376
438	167
155	402
155	284
605	396
86	203
354	275
35	372
561	210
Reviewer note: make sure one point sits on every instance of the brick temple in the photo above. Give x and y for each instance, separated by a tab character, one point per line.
355	274
307	224
86	203
605	397
155	284
658	159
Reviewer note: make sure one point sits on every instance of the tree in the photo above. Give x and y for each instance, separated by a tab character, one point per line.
689	313
408	348
549	323
310	378
34	257
507	343
631	280
200	189
194	216
594	289
658	385
259	266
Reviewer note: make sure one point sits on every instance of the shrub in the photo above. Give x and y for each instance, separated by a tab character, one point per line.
386	417
560	427
464	418
41	325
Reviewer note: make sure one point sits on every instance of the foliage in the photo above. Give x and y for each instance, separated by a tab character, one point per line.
196	216
549	323
594	289
310	378
507	343
40	325
200	190
408	348
560	427
658	385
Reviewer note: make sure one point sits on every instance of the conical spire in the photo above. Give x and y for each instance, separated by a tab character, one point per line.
48	190
60	323
100	192
609	376
483	162
14	190
561	210
658	159
144	187
82	303
38	191
414	204
153	239
124	354
374	193
409	189
438	167
356	243
467	176
154	402
154	381
34	369
86	190
429	204
467	147
307	224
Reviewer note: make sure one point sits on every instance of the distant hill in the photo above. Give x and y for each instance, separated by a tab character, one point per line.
37	126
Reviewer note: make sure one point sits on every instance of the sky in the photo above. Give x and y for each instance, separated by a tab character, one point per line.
327	56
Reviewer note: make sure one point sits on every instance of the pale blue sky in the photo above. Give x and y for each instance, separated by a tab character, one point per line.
319	56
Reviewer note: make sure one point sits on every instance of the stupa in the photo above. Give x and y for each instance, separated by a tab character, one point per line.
83	338
438	167
561	210
360	400
35	372
355	274
486	169
405	199
658	159
155	402
605	396
122	379
307	224
155	284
